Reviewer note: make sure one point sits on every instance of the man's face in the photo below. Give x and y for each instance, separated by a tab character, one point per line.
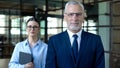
74	16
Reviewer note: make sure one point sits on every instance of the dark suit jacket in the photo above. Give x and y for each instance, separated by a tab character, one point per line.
91	53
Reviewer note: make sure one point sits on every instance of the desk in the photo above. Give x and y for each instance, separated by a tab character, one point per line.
6	51
4	63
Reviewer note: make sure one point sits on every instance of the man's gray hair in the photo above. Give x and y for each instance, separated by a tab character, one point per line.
74	3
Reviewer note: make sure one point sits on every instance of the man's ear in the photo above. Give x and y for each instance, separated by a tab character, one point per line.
64	16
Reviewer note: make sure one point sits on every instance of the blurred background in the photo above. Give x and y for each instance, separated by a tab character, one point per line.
102	18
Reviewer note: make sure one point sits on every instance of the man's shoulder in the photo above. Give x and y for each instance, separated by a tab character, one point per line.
59	34
90	34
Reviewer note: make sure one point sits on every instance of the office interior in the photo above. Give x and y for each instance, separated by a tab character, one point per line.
102	18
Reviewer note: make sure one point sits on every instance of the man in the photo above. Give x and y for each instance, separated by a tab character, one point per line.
89	48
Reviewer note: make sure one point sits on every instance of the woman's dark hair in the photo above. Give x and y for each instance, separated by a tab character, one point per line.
32	19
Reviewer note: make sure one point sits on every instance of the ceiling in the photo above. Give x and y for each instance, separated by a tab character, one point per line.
28	7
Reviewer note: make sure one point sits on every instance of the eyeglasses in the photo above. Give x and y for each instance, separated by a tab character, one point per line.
34	27
76	14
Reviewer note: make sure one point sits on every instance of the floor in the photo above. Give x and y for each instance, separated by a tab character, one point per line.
4	63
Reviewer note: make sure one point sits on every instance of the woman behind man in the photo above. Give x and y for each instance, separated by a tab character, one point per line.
32	45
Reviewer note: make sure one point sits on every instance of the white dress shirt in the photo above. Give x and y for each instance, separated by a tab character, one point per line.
72	38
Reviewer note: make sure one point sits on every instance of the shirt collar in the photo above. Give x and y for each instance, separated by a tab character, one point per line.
37	43
71	33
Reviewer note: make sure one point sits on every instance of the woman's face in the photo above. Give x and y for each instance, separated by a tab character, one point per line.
32	28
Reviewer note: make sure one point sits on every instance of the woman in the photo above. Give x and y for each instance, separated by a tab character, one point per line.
32	45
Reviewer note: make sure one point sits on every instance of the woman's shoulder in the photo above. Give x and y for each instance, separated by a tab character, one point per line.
21	43
43	43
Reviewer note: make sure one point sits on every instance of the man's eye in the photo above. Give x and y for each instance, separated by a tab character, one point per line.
35	27
78	14
71	14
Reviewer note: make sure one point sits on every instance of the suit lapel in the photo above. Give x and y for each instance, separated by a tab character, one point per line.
68	46
84	39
